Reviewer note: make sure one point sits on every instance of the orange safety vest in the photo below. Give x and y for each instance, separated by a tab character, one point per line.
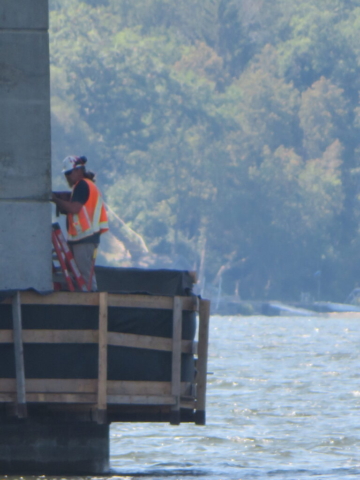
92	217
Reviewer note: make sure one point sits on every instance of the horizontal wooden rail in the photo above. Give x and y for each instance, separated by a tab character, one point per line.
84	391
91	336
75	386
141	400
114	300
52	336
149	342
90	398
75	398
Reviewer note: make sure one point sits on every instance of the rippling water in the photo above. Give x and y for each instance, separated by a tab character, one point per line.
283	403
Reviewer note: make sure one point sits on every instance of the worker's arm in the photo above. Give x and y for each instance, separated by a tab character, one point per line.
66	205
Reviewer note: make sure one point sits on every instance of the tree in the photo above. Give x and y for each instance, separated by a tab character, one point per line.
322	116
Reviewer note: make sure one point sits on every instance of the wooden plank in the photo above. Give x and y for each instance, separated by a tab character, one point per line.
7	398
150	301
204	319
91	336
19	357
102	370
140	301
139	341
60	336
52	336
141	400
61	398
114	387
6	336
49	385
60	298
148	342
133	388
114	300
66	398
176	360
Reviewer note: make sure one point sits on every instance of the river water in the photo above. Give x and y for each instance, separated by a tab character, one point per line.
283	403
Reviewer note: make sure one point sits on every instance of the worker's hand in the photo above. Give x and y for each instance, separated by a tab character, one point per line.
53	197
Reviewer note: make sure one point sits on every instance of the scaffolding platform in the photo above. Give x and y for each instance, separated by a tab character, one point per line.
89	359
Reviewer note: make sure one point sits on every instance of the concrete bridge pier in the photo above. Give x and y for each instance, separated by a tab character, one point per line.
30	447
25	147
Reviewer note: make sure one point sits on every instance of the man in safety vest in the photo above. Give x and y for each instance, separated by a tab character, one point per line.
86	216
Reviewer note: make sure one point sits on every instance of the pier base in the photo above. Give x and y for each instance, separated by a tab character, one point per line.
31	448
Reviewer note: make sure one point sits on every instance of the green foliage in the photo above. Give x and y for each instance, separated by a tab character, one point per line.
322	116
220	127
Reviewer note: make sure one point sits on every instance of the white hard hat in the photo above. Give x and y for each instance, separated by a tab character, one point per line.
69	163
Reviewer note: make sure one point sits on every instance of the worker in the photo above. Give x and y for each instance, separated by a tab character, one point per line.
86	216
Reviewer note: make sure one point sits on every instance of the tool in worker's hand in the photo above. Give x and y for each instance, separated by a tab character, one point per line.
63	196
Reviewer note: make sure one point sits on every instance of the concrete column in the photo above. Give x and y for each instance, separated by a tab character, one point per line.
25	156
28	447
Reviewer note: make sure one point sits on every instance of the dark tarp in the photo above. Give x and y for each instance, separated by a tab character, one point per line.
67	361
136	280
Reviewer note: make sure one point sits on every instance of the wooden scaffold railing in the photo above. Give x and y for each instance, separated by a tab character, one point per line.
103	392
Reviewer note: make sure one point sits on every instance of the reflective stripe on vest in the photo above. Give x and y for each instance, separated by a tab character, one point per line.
92	217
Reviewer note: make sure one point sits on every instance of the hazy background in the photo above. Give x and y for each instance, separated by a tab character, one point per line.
224	132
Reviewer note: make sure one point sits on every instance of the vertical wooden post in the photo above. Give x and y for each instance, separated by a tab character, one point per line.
21	408
176	360
204	318
102	373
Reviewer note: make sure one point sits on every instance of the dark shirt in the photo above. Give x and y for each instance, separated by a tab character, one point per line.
81	194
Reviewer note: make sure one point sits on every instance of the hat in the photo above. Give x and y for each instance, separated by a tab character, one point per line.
71	162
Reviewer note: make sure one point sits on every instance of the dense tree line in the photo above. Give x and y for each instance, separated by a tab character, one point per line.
225	132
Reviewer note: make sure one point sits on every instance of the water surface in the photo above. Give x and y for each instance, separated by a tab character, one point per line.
283	403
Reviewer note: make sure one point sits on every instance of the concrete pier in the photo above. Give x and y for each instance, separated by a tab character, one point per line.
25	156
28	447
39	444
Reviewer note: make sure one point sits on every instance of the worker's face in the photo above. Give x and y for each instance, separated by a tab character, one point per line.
74	176
69	178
